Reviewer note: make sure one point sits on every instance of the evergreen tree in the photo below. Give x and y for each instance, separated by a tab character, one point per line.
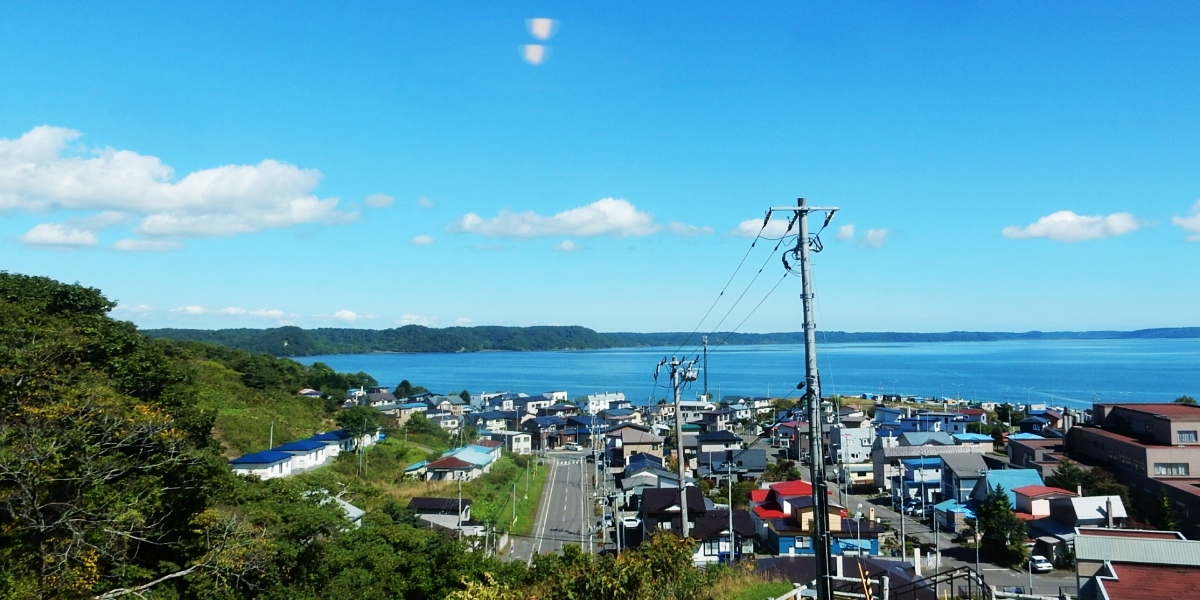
1067	475
1003	531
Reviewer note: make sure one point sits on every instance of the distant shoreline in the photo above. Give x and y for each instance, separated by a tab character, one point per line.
416	339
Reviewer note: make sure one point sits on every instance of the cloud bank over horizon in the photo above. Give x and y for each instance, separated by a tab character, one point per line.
1066	226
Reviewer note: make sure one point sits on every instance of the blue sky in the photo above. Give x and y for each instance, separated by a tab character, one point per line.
999	166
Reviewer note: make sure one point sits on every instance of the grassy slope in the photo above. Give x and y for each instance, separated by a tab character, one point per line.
244	415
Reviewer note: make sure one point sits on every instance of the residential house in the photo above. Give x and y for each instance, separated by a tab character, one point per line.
890	415
1009	479
546	433
495	420
558	410
448	514
1034	500
976	438
919	478
309	393
626	440
452	468
268	464
517	442
718	441
444	419
851	445
743	465
661	511
720	419
306	454
692	411
793	533
379	396
1034	425
595	403
886	463
973	415
960	474
405	411
534	404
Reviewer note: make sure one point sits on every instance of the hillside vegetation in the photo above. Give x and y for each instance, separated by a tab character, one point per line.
294	341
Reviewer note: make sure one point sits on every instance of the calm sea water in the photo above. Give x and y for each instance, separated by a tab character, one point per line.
1061	372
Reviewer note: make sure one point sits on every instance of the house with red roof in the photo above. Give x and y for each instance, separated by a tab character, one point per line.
1124	564
1035	499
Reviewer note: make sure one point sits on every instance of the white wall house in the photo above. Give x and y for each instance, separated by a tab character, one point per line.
267	464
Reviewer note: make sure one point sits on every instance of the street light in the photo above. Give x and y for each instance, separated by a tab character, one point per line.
858	522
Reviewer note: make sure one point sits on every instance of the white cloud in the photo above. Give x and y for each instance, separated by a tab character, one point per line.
535	54
566	246
43	171
608	216
424	202
58	235
749	228
542	28
379	200
1066	226
268	314
1190	223
231	311
346	315
146	245
417	320
140	308
845	232
190	310
874	238
683	229
462	321
421	240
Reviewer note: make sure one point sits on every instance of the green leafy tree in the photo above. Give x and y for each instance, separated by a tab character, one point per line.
359	420
782	470
1003	531
1067	475
1098	481
1163	516
1186	400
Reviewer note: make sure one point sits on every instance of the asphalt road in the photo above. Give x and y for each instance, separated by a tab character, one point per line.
564	515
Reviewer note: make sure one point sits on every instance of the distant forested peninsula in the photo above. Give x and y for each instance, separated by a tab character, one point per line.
294	341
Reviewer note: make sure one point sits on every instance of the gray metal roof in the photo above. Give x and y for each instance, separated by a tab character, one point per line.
1137	550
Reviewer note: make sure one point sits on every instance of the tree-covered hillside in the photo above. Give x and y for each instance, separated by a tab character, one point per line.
294	341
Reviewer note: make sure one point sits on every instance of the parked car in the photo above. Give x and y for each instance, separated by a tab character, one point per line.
605	521
631	522
572	446
1039	564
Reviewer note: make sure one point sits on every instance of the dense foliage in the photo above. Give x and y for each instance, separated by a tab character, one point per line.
294	341
1003	531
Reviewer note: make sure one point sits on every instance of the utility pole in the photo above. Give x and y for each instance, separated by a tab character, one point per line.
681	371
821	541
705	339
271	440
729	482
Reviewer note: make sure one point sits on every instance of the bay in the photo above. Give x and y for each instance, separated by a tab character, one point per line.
1059	372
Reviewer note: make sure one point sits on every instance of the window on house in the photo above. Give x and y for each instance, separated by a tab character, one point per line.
712	547
1171	469
1186	437
664	524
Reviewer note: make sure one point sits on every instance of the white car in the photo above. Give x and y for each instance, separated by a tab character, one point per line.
572	446
631	522
1039	564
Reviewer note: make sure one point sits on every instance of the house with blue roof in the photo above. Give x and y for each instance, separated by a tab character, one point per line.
306	454
1009	479
268	464
337	441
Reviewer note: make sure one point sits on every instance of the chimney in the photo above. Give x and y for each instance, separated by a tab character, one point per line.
917	560
871	514
1108	511
1079	490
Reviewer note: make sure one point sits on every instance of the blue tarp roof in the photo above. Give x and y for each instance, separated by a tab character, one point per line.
266	457
1025	436
416	466
954	506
